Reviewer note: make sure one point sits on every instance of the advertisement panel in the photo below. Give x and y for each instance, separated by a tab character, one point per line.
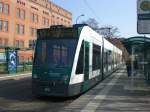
12	61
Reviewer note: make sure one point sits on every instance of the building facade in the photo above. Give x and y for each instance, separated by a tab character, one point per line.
19	20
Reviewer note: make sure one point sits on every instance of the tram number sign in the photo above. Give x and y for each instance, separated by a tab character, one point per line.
143	16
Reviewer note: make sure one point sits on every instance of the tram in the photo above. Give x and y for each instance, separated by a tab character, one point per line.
69	61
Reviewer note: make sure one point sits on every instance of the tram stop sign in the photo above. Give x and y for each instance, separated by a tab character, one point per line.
143	16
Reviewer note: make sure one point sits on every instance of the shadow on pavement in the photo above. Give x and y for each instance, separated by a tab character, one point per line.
21	90
56	99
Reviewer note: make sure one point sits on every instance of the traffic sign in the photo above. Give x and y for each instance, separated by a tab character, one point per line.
143	16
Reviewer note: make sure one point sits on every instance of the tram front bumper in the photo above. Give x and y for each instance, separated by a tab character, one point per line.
49	88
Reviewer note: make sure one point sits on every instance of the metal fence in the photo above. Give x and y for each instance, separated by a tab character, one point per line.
21	67
24	66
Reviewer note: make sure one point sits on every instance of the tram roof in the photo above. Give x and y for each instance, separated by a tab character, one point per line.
137	40
59	31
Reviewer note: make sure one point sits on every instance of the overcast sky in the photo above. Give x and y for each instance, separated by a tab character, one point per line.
119	13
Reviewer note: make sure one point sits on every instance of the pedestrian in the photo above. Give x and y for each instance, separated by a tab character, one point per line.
135	65
128	65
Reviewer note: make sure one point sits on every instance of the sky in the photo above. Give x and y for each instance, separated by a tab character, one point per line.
119	13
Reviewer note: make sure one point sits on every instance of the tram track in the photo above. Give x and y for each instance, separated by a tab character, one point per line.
16	96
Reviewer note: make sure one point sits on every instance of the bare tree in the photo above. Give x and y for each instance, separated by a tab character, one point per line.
92	23
107	31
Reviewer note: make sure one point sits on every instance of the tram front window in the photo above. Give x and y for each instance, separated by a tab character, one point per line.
55	53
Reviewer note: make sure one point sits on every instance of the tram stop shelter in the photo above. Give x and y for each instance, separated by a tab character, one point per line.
139	52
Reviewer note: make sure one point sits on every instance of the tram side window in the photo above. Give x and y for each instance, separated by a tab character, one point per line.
105	58
116	58
96	57
109	57
80	64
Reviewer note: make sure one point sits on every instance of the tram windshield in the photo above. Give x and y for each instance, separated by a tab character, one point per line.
55	53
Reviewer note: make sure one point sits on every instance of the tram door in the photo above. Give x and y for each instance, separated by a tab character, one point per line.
86	60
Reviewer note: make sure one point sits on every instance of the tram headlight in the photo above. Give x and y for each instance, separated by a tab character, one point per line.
65	78
34	76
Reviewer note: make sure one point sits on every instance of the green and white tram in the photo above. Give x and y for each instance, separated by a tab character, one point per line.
70	60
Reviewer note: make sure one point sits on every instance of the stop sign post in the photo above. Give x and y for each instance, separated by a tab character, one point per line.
143	16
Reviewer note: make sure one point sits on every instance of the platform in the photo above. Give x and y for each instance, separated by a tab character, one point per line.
118	93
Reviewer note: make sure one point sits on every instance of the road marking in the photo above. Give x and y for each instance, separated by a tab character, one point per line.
92	106
15	76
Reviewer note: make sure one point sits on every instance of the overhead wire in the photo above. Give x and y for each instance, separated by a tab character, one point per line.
91	9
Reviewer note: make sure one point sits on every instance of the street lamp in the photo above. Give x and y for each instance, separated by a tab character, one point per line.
79	18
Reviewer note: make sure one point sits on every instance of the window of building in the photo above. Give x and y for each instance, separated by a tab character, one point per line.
21	2
18	13
33	32
44	12
65	22
20	29
5	26
22	14
17	43
1	42
20	43
34	18
17	29
53	22
6	42
1	25
45	21
53	17
6	8
1	7
34	8
32	44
